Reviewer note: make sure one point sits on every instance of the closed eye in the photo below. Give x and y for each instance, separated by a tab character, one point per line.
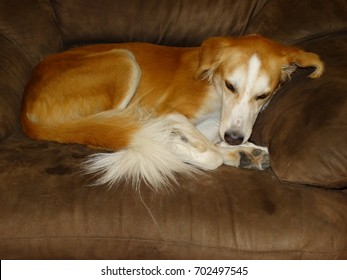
262	96
230	86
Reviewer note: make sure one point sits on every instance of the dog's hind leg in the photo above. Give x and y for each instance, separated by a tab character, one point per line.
73	98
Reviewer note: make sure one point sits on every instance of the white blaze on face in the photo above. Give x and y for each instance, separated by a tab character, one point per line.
241	107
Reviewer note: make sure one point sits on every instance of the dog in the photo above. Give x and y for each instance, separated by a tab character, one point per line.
161	110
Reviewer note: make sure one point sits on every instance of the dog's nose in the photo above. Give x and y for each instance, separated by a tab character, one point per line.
233	137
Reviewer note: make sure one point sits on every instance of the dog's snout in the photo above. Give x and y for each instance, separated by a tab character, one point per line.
233	137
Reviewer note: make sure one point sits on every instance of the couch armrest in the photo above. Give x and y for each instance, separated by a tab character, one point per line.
305	125
14	72
28	33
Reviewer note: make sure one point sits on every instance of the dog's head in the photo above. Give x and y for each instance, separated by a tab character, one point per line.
247	71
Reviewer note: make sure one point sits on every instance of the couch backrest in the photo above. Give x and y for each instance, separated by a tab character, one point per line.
189	22
32	29
294	21
172	22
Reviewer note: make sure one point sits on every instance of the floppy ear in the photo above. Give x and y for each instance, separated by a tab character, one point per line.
286	72
297	57
210	56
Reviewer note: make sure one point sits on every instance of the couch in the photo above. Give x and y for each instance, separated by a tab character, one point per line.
297	209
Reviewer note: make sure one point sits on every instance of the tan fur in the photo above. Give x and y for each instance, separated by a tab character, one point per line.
90	95
67	90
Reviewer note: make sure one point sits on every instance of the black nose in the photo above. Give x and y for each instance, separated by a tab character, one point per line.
233	137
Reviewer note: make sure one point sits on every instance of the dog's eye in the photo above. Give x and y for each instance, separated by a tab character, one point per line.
230	86
263	96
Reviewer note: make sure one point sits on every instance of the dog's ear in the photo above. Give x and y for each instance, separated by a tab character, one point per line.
211	54
297	57
286	72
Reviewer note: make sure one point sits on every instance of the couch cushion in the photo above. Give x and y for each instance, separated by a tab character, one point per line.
14	72
190	22
48	211
164	22
295	21
305	125
31	27
27	34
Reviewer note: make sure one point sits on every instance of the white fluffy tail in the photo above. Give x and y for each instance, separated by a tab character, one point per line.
148	158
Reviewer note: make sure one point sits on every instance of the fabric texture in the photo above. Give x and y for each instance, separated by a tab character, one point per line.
297	209
28	33
305	126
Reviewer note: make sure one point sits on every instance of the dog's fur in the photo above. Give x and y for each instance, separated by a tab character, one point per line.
161	109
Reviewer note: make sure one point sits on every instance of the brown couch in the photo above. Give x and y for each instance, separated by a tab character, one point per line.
295	210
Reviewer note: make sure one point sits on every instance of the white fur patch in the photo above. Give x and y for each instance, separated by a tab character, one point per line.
134	80
253	72
147	159
240	109
161	148
209	126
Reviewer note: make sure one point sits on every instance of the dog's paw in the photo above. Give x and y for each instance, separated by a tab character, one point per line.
254	158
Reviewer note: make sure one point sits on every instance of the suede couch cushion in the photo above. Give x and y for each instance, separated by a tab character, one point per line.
48	210
28	33
296	21
179	22
30	25
305	125
188	23
14	72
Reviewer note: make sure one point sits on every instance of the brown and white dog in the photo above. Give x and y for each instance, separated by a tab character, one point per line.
162	109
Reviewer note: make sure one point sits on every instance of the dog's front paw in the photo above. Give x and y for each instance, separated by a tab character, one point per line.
254	158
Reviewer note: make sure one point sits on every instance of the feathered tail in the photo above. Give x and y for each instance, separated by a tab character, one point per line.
147	158
148	149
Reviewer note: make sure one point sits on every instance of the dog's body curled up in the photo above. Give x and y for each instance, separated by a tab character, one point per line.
162	110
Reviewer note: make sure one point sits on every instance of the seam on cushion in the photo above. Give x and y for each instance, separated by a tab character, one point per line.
56	22
20	55
176	243
253	16
24	55
331	186
318	36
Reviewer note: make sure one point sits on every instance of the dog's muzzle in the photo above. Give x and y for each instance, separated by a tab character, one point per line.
233	137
